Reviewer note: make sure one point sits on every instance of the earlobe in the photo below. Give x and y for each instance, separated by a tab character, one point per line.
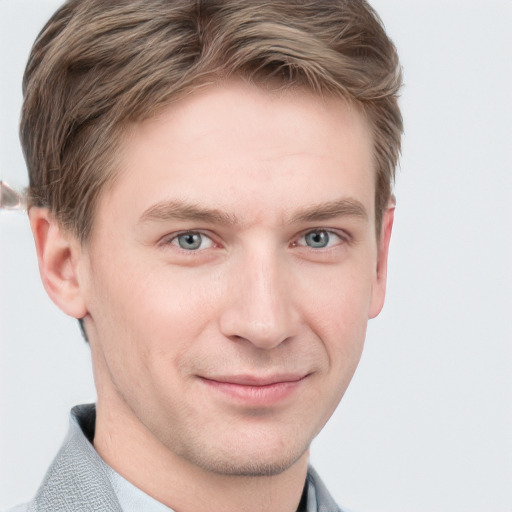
379	285
58	253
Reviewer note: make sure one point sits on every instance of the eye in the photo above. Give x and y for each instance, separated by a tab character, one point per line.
192	241
319	239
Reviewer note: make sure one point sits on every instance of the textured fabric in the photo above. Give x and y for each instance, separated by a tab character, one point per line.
78	480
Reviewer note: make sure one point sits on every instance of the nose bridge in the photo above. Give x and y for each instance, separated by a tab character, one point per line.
261	310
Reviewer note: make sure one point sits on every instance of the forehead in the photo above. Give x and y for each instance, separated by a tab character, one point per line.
235	144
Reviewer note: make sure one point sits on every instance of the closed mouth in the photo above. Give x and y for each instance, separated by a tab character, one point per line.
255	391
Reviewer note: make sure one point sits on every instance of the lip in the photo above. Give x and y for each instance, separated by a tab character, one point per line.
255	391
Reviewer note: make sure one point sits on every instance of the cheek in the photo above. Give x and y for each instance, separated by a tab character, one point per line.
341	327
343	334
337	311
338	299
151	315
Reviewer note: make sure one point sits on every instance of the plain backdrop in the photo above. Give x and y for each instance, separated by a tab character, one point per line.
427	422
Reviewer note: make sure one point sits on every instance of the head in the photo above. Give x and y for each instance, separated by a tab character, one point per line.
216	181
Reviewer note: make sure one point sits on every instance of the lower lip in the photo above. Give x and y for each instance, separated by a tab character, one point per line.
255	396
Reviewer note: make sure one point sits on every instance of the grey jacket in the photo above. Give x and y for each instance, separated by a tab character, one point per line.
78	480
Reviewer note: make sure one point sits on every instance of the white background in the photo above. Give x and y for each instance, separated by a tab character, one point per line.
427	422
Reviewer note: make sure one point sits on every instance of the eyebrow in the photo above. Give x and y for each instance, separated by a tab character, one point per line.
186	211
331	209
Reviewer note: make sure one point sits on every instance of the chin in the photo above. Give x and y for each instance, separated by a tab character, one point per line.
239	459
254	467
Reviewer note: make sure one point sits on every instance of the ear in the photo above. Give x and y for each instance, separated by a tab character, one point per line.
58	253
379	285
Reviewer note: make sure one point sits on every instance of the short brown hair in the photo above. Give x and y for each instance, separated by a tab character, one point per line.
98	66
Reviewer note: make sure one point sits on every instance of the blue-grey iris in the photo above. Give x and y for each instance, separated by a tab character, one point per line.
317	239
190	241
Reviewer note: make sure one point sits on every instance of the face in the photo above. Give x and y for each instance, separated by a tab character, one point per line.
231	273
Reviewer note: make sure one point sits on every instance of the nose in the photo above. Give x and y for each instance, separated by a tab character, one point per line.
261	307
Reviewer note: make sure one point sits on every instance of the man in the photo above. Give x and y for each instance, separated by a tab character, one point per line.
210	195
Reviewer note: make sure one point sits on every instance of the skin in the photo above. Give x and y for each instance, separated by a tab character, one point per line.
226	290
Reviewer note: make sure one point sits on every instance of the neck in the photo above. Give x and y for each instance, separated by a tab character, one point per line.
127	446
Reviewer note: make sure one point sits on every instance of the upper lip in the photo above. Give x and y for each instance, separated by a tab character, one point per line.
256	380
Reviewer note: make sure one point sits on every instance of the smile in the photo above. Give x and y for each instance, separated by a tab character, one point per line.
255	391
